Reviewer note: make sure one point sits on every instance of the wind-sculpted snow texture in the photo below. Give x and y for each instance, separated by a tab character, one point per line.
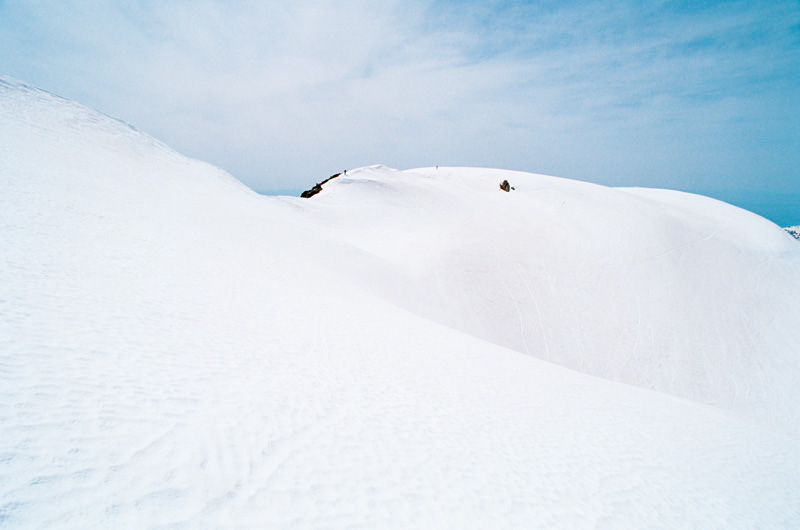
179	352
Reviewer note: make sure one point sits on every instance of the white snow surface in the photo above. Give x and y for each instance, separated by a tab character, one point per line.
407	349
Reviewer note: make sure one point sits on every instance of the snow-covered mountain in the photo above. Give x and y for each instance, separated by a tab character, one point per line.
794	231
405	349
665	290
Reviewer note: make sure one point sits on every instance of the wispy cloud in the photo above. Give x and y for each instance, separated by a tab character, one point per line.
281	93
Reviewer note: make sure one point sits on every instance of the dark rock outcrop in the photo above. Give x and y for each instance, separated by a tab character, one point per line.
317	187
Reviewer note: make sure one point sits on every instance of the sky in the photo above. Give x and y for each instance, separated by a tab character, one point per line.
697	96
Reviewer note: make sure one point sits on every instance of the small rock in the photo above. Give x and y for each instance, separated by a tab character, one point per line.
505	186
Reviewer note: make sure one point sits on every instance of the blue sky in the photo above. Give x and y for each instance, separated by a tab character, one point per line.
701	96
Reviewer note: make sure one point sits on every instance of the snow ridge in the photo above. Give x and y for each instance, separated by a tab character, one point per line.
660	289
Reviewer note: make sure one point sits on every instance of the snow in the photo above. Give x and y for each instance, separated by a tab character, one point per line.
665	290
405	349
793	231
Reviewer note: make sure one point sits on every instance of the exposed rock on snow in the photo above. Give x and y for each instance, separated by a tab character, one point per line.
505	186
317	187
177	351
793	231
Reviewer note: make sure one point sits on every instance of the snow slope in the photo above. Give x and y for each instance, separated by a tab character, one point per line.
665	290
177	351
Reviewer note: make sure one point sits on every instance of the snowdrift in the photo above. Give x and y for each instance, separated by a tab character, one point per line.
177	351
661	289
